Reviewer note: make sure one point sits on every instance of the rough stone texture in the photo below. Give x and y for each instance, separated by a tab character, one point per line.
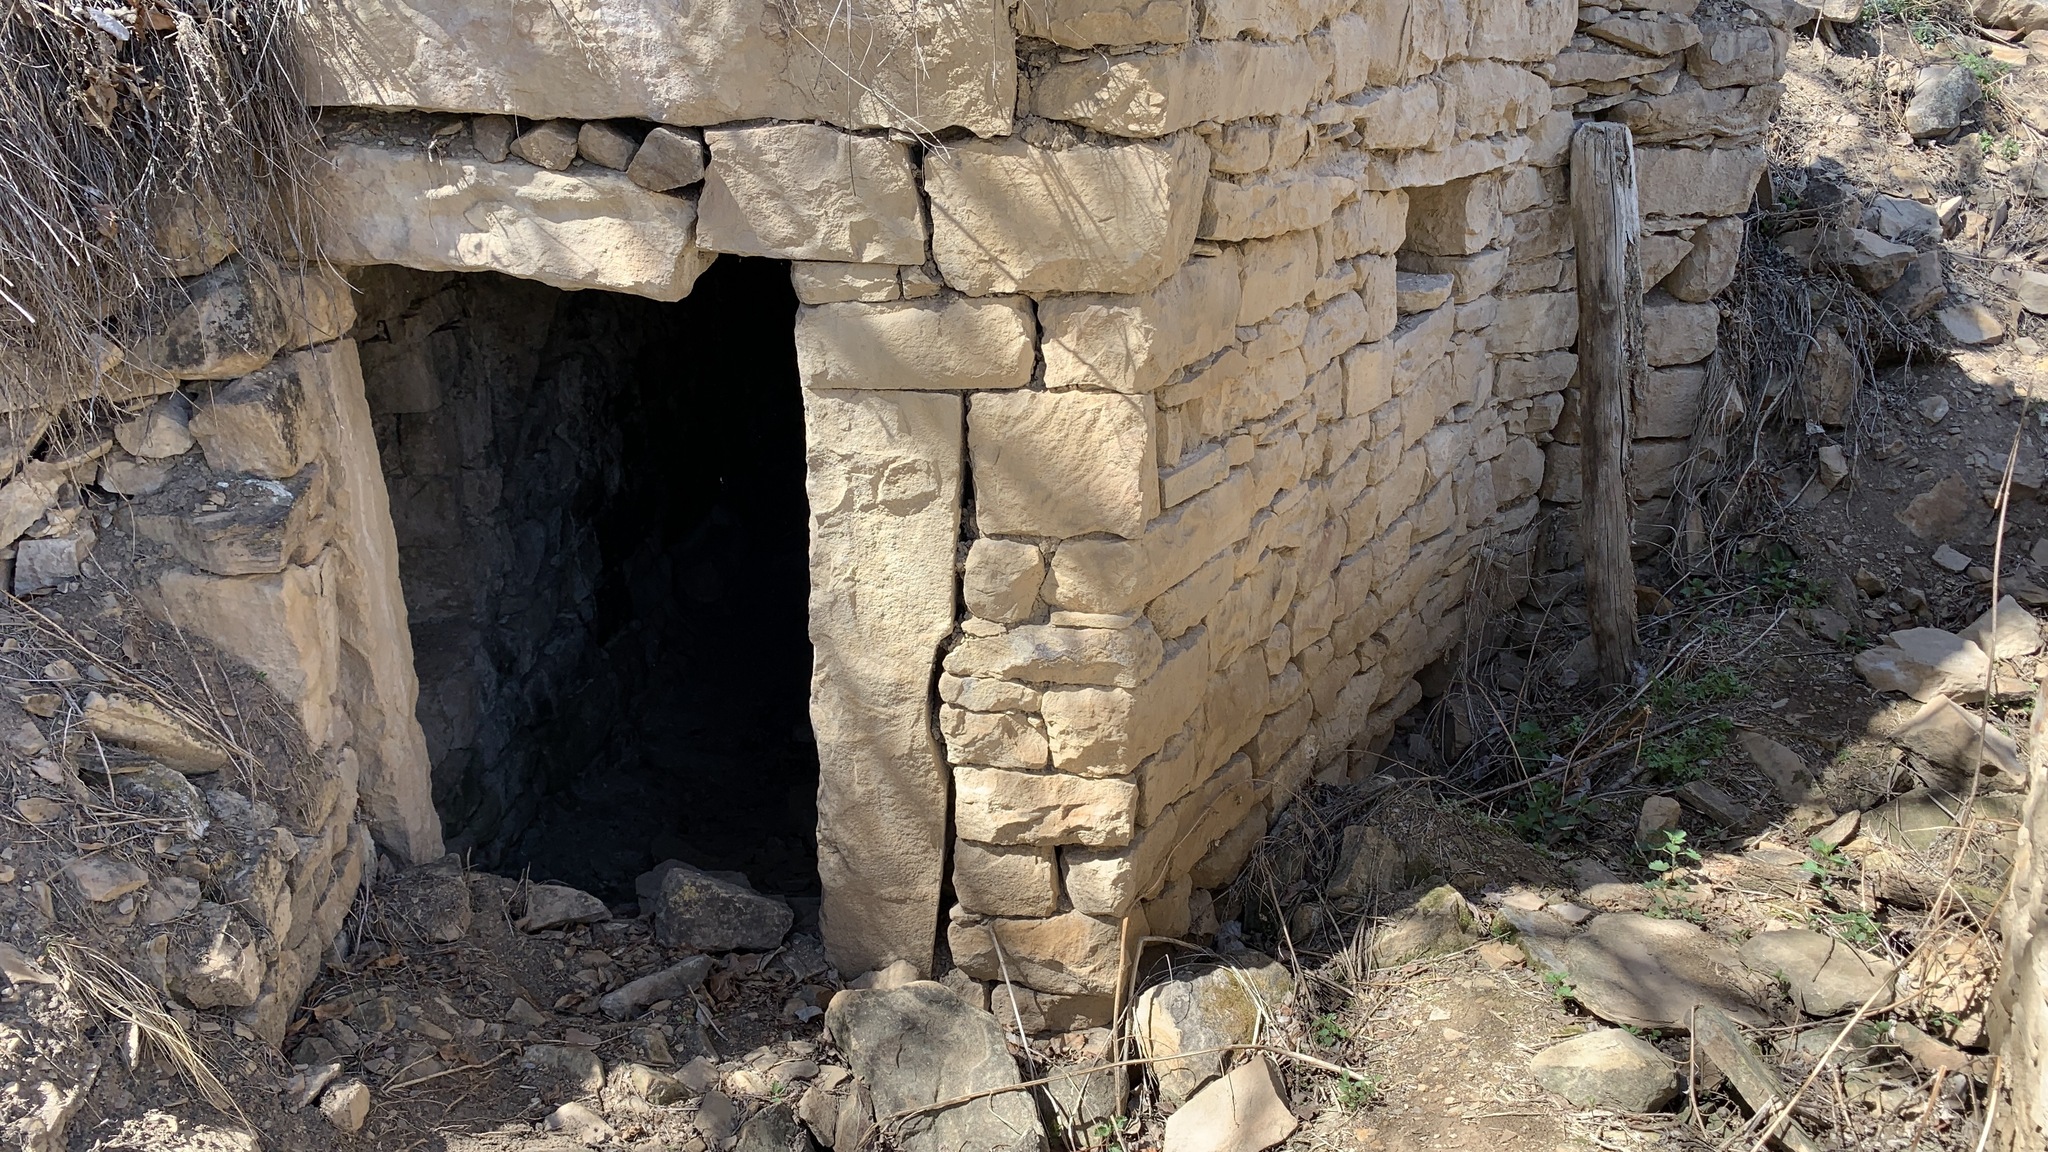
946	342
809	192
1697	181
708	914
1609	1068
1925	663
884	474
232	323
1009	216
919	1044
668	159
906	66
1063	463
1824	975
1953	738
1211	1008
1134	343
1242	1112
1649	973
590	228
379	685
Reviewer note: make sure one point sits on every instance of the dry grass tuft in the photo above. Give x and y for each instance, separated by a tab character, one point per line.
115	122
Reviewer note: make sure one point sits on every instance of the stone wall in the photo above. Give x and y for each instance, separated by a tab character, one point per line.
1170	415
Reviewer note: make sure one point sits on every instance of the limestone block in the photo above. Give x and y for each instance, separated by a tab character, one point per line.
944	342
1697	181
1375	222
232	322
998	880
1454	219
1269	205
261	525
993	739
810	192
1063	463
1072	953
1009	216
318	304
920	67
1538	322
986	695
605	146
1276	273
1405	39
1087	23
1104	575
191	232
1661	253
379	687
669	158
1667	402
1150	94
830	282
999	806
283	625
1596	62
1472	276
585	229
1001	579
1677	332
1709	266
1653	467
884	478
1054	654
1689	111
1518	378
259	425
1731	52
1493	98
1512	30
1136	342
1103	731
1416	115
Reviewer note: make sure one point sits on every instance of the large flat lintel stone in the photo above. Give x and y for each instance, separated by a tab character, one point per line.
896	64
810	192
591	228
1011	216
941	343
884	478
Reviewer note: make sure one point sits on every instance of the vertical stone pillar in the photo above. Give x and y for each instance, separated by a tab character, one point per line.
378	687
884	478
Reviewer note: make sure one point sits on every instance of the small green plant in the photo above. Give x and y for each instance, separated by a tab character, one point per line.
1559	987
1984	68
1825	863
1107	1135
1854	927
1355	1093
1327	1031
1685	755
1549	816
1671	853
1714	686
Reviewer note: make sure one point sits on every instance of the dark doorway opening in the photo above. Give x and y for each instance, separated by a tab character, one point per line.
602	538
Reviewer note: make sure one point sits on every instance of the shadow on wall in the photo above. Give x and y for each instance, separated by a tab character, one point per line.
602	532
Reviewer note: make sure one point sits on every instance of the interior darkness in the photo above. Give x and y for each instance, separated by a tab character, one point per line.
615	666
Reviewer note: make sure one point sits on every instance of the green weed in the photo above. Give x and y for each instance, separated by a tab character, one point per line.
1548	816
1685	755
1355	1093
1559	987
1327	1031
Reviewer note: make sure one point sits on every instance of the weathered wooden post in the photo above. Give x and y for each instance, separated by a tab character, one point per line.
1607	229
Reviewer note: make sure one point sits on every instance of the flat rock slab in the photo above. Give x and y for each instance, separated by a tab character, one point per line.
1721	1043
919	1044
710	914
1205	1008
1608	1069
1952	738
1924	663
1824	975
560	906
1633	969
1245	1111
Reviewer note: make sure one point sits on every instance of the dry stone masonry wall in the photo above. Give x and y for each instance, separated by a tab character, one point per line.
1176	379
